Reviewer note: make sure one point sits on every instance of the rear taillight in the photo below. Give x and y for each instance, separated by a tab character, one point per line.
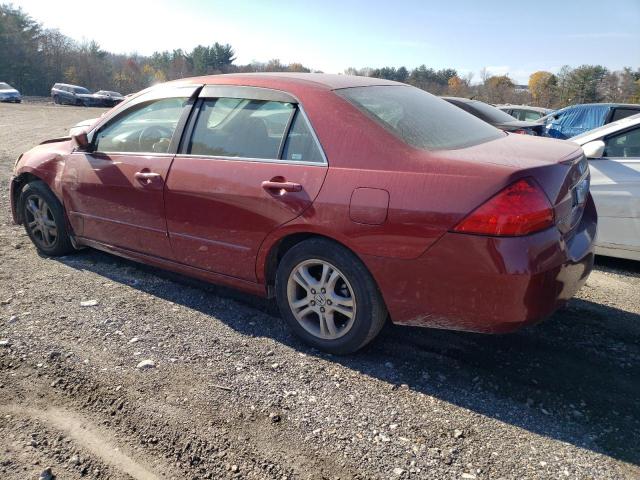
520	209
520	131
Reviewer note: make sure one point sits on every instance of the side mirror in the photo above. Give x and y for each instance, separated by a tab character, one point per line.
594	149
82	141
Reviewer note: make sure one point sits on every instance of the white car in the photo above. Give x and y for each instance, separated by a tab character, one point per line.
614	159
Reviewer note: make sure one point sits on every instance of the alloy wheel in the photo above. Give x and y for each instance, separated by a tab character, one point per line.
321	299
40	221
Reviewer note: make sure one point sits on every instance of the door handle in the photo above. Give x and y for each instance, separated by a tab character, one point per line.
281	186
146	178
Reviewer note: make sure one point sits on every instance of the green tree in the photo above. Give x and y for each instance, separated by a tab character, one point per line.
20	58
585	84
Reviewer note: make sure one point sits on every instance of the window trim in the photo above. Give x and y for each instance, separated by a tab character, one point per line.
246	93
188	131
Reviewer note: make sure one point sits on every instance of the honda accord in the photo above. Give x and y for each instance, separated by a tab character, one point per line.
350	200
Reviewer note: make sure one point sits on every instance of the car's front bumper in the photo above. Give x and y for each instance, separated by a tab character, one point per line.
488	284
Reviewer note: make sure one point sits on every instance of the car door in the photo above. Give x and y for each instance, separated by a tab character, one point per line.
249	163
65	95
615	186
114	194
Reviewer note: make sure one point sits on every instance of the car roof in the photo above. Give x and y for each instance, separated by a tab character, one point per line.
282	79
604	104
607	129
524	107
460	99
67	85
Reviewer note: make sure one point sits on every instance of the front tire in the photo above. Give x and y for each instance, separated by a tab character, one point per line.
328	297
44	220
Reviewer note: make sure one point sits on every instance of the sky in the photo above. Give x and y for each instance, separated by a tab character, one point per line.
511	37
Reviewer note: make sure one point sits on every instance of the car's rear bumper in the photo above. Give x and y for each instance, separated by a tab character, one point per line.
488	284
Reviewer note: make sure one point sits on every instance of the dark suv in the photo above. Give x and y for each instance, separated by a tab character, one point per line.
65	94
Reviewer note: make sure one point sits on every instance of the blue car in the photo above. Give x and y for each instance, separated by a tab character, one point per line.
577	119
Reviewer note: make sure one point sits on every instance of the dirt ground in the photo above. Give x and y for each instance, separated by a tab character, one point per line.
234	395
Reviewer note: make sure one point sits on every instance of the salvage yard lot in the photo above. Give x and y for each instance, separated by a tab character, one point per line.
234	395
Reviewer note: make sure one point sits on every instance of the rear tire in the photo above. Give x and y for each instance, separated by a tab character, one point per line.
328	297
44	220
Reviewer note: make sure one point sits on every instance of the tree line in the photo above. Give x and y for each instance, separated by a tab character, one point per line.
584	84
33	58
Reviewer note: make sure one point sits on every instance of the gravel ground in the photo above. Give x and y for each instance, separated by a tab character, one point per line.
109	369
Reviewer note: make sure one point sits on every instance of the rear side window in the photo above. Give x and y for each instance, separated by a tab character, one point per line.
419	118
301	145
232	127
530	115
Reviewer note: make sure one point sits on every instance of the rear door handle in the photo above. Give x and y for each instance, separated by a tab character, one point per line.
146	178
271	185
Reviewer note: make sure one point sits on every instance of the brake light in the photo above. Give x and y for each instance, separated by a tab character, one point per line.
520	209
521	131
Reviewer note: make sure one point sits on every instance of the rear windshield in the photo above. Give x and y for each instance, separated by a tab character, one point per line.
490	113
419	118
5	86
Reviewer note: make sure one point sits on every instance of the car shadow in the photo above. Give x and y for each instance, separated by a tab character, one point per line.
628	268
574	378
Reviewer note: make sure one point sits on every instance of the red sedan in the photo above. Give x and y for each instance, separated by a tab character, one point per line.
349	199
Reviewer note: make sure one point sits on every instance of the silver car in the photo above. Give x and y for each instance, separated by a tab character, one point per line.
9	94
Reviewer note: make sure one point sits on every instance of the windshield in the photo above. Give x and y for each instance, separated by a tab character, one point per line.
419	118
490	113
5	86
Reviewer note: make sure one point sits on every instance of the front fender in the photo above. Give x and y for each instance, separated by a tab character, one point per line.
44	162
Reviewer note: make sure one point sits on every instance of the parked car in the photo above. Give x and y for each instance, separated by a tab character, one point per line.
65	94
525	112
109	98
9	94
495	116
372	199
578	119
613	151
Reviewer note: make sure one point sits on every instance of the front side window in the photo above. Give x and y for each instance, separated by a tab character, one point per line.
232	127
623	145
419	118
145	128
